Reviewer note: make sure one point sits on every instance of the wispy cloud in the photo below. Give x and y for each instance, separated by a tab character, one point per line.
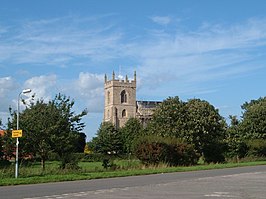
211	52
162	57
60	41
161	20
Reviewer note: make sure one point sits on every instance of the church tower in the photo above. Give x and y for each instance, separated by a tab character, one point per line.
120	100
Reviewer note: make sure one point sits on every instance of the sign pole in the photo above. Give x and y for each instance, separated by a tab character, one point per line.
16	171
16	168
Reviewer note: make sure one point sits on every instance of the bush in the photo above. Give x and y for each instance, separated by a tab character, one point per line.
69	161
257	147
213	153
181	154
151	150
4	163
94	157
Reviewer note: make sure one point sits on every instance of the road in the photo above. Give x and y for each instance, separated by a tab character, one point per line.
245	182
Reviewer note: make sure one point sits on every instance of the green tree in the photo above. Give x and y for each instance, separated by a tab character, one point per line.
236	146
108	140
130	132
51	126
68	128
253	125
196	121
169	119
38	123
205	129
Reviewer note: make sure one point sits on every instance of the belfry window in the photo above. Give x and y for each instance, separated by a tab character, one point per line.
123	97
124	113
108	97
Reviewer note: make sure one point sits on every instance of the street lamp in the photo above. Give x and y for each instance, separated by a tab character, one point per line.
22	92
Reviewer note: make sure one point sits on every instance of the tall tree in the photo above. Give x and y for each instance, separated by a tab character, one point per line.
130	132
253	125
108	140
51	126
236	146
195	121
205	129
169	119
37	122
66	135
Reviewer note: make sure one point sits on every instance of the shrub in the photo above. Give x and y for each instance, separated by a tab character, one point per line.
213	153
4	163
257	147
69	161
181	154
93	157
154	149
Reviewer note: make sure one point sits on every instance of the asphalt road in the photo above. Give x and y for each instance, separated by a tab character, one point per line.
245	182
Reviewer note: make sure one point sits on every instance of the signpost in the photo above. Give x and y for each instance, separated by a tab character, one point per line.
16	133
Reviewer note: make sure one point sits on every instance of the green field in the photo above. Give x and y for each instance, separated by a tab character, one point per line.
32	173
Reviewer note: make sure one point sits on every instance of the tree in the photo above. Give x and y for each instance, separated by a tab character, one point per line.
38	123
236	146
253	125
68	127
108	140
169	119
196	121
51	126
130	132
205	129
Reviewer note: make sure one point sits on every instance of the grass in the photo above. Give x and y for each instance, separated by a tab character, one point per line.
32	174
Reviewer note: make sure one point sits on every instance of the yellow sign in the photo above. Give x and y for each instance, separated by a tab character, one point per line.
16	133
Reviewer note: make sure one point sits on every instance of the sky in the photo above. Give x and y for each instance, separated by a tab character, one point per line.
207	49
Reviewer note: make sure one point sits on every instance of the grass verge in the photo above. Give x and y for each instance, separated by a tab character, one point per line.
81	175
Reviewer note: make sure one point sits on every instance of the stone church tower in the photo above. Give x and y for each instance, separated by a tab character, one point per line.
120	100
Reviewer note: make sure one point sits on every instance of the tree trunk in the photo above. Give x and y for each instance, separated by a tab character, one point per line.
43	163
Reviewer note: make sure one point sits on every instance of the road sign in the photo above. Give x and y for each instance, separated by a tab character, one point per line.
16	133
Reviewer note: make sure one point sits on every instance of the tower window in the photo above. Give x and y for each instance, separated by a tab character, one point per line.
108	97
123	97
124	113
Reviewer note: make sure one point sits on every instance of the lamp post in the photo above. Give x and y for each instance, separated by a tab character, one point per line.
22	92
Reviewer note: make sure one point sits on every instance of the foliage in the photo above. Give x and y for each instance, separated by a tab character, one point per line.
152	150
108	140
236	145
257	147
196	121
205	129
7	146
169	119
130	132
51	126
93	157
69	161
253	125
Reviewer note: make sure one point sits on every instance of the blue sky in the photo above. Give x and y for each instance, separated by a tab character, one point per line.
212	50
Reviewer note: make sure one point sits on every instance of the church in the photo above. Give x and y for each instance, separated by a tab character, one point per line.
120	102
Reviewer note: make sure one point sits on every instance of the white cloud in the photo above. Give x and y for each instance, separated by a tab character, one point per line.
7	87
161	20
60	41
212	52
42	86
163	56
89	90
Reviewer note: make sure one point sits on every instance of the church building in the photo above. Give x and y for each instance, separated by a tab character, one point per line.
120	102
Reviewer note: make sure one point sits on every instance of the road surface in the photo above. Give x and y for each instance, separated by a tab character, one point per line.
245	182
